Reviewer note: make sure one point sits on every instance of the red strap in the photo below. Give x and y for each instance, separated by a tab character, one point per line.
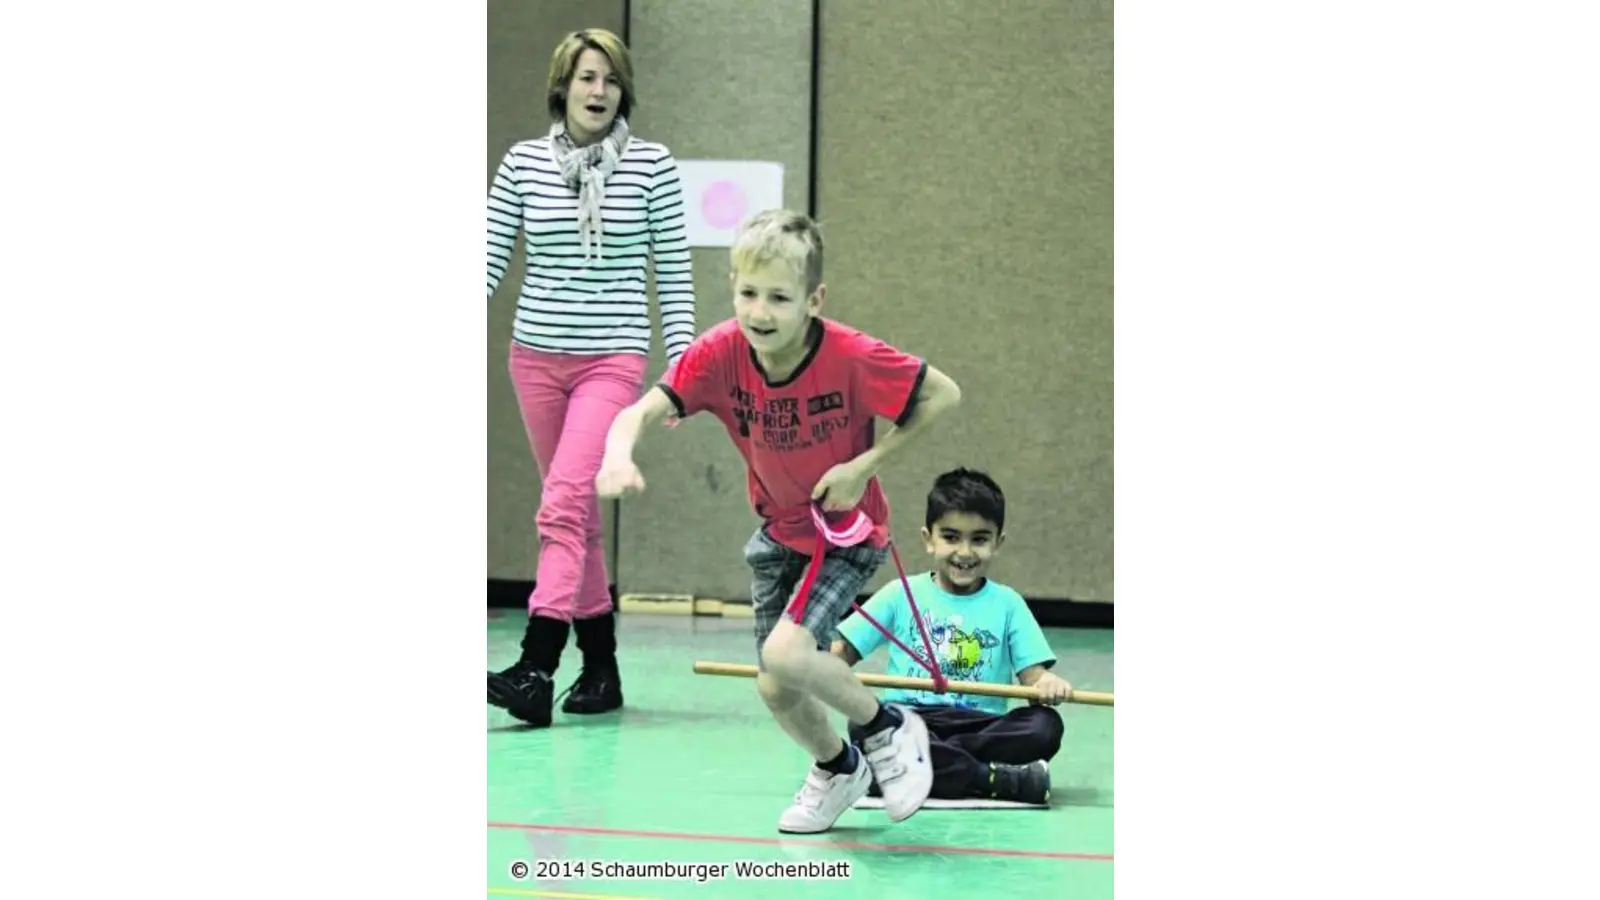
939	684
797	607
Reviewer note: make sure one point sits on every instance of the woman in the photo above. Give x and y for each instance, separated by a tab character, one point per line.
594	203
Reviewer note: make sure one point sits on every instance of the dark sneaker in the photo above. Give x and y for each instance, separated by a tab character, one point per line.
1019	784
525	692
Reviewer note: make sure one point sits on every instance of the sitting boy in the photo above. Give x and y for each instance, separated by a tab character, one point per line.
800	395
981	631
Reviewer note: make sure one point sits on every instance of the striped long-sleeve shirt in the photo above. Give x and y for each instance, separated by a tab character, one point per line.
569	304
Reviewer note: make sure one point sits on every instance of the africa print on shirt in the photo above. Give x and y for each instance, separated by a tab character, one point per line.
777	424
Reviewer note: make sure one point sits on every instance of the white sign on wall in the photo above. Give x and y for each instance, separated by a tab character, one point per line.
719	195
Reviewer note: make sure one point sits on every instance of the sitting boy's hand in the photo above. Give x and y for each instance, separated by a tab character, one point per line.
1052	688
841	487
617	478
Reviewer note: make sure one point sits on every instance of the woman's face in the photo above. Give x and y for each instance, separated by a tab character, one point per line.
593	96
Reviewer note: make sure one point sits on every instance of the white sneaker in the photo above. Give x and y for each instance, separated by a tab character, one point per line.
902	764
824	798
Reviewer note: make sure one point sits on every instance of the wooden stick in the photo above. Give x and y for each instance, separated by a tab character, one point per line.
1015	691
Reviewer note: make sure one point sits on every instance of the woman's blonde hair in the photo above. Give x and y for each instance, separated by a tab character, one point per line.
564	62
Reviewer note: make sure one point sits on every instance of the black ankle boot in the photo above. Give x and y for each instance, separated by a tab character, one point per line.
526	689
599	686
1020	784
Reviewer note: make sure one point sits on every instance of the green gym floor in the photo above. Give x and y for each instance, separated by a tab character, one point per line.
694	770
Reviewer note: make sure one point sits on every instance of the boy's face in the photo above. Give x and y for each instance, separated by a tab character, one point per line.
962	544
772	308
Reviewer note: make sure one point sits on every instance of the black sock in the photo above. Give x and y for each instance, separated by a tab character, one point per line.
543	642
843	764
887	717
597	639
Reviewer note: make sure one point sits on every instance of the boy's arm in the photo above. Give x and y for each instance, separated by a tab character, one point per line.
859	639
1052	688
937	395
654	406
618	473
842	487
1030	676
846	651
1029	648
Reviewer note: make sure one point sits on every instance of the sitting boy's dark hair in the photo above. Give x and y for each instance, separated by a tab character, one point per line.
967	491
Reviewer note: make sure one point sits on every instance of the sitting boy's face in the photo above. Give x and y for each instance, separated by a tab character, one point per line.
962	545
772	307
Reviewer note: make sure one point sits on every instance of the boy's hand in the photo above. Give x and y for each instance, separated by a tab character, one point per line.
1052	688
618	478
841	487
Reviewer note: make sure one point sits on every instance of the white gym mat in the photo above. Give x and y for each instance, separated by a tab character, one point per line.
968	803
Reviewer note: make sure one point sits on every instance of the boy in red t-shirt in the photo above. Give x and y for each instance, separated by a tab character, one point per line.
800	396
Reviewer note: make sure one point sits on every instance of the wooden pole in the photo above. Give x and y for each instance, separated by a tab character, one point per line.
1015	691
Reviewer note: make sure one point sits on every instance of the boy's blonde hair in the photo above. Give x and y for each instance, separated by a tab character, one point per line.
781	234
564	62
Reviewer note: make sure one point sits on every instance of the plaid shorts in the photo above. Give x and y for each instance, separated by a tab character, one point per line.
779	570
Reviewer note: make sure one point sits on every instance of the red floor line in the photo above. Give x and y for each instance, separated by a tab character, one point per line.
850	845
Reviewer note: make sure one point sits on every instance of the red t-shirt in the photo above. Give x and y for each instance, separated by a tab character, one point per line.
791	433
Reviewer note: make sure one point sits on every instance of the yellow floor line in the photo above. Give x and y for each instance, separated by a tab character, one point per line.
559	895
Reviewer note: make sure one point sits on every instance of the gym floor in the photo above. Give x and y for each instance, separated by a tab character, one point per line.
694	770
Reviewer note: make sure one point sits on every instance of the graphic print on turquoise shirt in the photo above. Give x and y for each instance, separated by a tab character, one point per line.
988	636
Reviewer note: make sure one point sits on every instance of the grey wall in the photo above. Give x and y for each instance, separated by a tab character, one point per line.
965	178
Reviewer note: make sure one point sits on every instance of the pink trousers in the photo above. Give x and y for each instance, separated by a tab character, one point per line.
568	403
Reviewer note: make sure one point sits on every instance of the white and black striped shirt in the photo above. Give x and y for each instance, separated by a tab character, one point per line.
569	304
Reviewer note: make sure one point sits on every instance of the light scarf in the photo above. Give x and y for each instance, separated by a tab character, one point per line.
586	170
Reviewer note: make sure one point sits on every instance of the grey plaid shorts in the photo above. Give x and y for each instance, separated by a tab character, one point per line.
779	570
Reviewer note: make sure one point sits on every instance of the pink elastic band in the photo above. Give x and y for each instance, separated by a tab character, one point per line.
858	530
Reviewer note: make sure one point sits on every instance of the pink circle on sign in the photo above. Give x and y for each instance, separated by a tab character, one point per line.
723	204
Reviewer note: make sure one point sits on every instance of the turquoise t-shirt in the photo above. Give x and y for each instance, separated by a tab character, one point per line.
987	636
